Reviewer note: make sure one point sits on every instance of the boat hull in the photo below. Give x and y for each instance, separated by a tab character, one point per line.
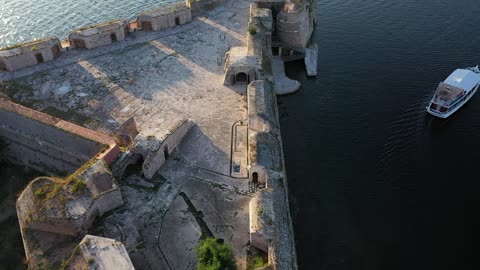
447	114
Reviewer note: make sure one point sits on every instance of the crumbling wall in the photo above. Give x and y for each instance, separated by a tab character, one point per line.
200	6
165	17
29	54
294	24
43	146
64	207
261	220
98	35
154	149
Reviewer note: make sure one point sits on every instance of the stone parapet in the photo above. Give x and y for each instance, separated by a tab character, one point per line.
28	54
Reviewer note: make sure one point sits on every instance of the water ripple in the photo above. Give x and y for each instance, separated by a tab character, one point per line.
22	20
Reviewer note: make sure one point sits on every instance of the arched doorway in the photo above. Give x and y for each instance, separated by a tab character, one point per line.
241	78
177	20
134	166
113	37
3	66
39	57
255	178
166	153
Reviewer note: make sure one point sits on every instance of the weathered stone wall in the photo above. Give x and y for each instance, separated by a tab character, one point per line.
294	25
99	35
200	6
42	146
29	54
153	148
64	207
165	17
261	220
270	222
48	144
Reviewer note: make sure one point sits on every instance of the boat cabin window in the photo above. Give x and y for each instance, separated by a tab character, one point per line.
443	109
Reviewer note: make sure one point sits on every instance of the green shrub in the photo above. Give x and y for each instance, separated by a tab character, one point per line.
79	185
213	255
257	263
251	30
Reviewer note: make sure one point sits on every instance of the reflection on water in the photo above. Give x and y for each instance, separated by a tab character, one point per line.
379	183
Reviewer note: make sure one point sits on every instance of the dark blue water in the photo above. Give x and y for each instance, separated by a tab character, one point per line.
377	182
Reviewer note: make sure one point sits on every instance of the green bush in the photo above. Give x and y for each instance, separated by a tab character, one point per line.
79	185
257	262
251	30
213	255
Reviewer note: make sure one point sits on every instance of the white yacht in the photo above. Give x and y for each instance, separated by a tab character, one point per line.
454	92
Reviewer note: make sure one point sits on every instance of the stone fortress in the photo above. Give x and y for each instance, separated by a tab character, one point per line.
184	159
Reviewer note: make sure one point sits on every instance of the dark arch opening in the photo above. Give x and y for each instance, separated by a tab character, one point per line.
134	167
3	66
113	37
241	78
39	57
177	20
255	177
166	153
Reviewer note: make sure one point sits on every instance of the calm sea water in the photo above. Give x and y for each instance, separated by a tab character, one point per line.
23	20
378	183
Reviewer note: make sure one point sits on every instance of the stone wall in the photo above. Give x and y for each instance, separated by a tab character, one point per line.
295	24
200	6
154	148
29	54
64	207
39	141
164	17
270	222
98	35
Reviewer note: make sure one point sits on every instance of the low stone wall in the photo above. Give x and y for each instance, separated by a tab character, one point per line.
98	35
164	17
29	54
200	6
48	144
35	52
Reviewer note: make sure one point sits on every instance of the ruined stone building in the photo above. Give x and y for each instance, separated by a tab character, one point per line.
51	210
165	17
98	35
155	146
29	54
95	252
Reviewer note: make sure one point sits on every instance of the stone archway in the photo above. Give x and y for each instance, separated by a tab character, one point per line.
255	178
113	37
177	20
241	78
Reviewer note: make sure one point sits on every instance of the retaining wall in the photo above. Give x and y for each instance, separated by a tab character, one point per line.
48	144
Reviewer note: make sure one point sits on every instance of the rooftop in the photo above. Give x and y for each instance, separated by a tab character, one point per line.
164	10
95	29
463	78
